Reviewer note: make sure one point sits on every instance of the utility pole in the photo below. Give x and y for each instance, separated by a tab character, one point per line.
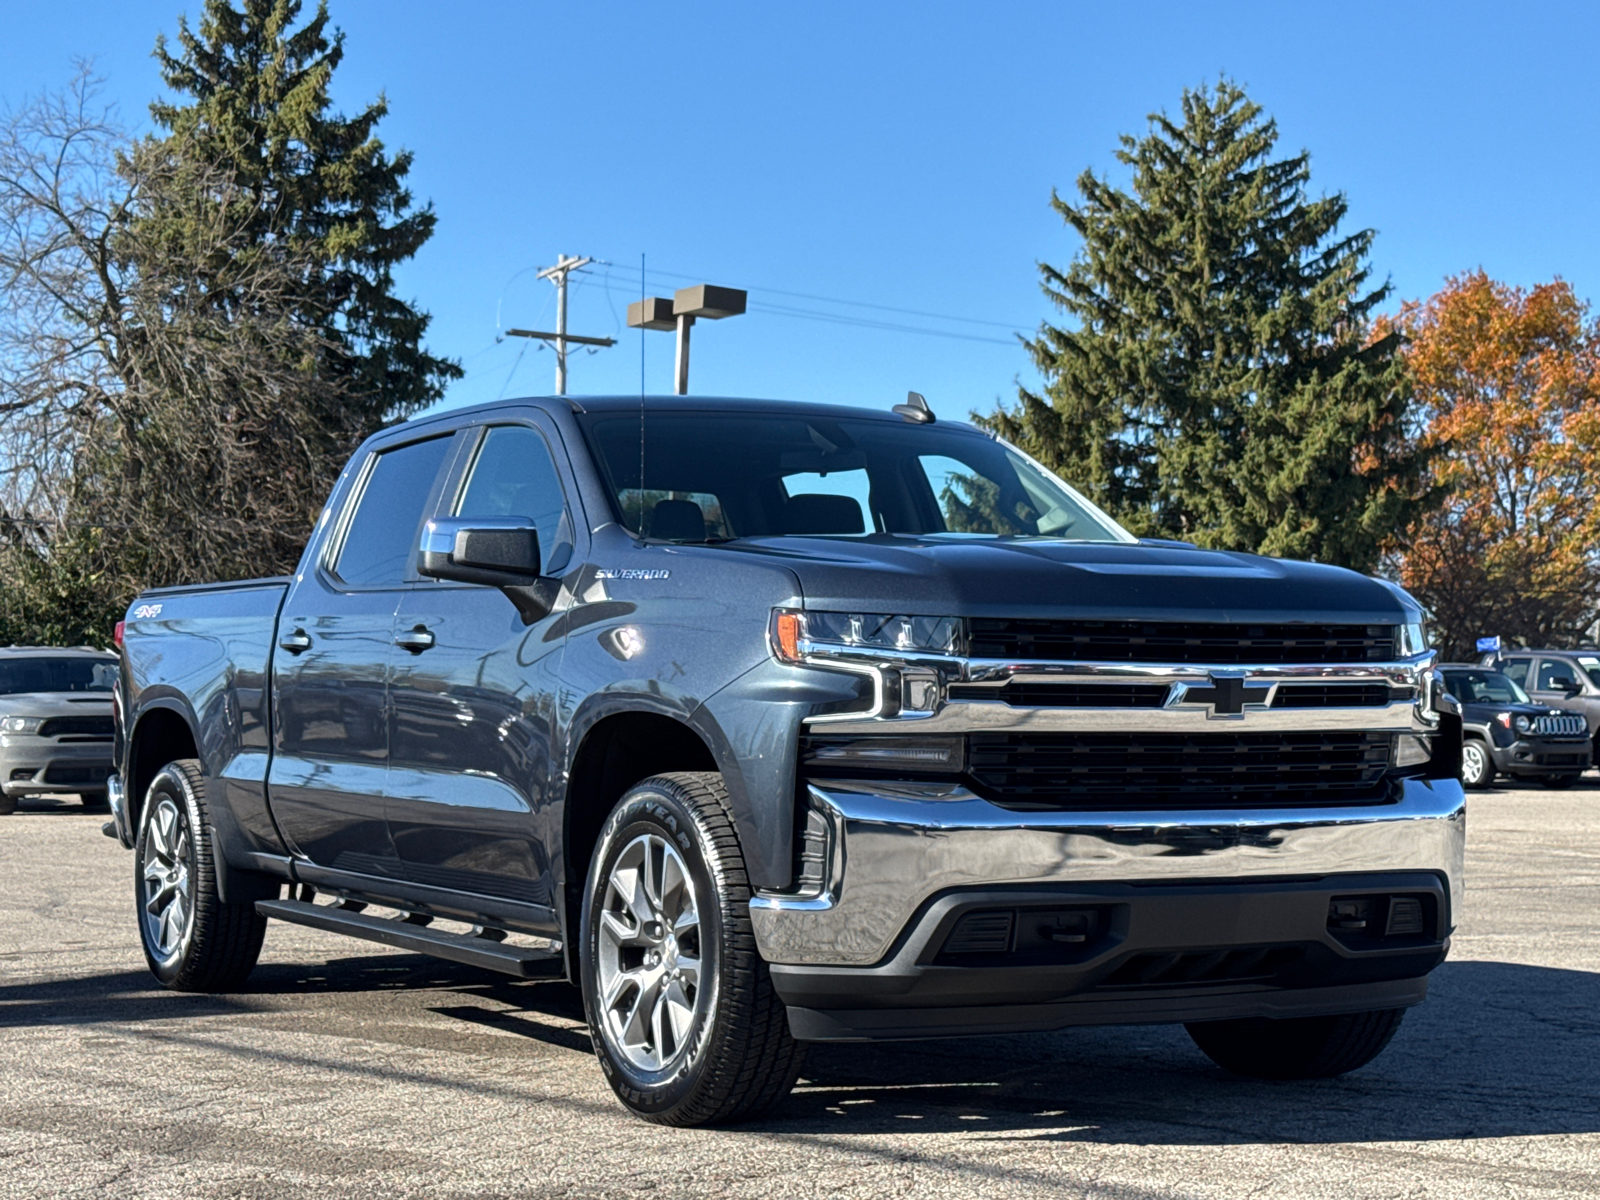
565	266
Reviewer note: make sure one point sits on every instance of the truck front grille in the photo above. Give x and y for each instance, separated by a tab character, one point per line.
1178	770
1049	640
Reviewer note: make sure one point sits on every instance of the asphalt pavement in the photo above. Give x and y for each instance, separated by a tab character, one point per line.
348	1070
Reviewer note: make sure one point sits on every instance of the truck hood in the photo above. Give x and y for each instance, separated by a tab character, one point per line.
951	575
55	704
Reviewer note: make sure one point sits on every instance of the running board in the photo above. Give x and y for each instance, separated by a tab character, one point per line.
521	961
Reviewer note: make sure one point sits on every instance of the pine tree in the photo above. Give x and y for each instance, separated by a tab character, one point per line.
259	112
1221	380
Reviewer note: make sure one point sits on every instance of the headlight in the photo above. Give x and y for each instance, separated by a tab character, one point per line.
20	724
1522	724
865	632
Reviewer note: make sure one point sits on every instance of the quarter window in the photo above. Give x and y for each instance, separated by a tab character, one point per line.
383	533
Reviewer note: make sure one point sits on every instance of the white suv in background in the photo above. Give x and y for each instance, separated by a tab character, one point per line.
56	727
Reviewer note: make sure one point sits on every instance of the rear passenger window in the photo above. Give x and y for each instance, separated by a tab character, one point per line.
1517	669
388	519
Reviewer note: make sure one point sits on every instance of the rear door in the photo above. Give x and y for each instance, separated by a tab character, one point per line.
329	673
473	712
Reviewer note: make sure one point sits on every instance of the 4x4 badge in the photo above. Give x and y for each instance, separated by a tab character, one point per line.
1227	696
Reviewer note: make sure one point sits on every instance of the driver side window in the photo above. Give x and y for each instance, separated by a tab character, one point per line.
514	475
1553	671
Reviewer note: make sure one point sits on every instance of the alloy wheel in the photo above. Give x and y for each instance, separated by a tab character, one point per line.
649	954
168	909
1474	764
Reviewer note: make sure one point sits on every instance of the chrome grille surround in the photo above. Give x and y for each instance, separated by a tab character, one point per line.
1415	687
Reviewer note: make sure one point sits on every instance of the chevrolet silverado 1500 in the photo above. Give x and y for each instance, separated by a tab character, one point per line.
776	723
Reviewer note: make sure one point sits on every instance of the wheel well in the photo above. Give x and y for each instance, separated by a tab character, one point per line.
162	736
616	754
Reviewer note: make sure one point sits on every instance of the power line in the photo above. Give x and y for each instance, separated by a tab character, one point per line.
910	312
861	323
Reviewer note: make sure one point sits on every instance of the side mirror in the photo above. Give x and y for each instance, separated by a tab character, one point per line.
1567	684
500	552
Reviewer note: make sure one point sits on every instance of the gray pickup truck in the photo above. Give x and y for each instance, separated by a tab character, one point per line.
776	723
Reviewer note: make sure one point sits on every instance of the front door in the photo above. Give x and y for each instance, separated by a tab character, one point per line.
473	702
329	673
1542	684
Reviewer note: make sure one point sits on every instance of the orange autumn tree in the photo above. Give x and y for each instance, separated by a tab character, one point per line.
1508	381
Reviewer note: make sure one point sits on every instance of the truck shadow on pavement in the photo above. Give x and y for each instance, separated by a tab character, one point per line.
1499	1049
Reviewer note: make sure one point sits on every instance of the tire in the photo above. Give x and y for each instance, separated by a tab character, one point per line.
1559	781
8	805
1299	1047
1477	768
192	941
711	1051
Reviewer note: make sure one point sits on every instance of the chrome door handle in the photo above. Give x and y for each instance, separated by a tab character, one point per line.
415	640
295	642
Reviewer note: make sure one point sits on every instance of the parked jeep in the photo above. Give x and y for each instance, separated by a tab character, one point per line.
1567	678
1505	733
783	723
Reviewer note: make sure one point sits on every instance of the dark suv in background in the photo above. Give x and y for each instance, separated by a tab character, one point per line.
1569	679
1505	733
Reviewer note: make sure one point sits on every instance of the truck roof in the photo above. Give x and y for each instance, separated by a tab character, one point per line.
654	403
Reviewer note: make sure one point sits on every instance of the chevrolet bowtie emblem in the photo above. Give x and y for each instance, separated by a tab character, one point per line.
1227	695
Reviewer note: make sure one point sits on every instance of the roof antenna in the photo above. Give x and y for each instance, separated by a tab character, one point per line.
916	409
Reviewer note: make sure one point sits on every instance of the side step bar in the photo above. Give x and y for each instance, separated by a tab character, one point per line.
521	961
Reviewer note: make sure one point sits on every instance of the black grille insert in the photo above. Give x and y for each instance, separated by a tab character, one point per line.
1178	642
1337	695
1203	966
981	933
1177	770
98	727
1066	695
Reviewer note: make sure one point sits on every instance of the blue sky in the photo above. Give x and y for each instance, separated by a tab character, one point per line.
898	155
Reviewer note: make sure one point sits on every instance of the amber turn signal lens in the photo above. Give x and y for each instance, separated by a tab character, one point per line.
786	634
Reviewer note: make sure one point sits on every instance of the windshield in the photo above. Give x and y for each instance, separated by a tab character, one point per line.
1483	687
56	675
1591	667
718	475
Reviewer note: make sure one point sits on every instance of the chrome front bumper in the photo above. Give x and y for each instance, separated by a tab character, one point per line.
892	847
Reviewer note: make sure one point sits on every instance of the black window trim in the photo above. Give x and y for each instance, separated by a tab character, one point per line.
334	545
449	492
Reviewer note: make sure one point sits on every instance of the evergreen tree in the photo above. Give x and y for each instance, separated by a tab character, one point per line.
1221	380
258	112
